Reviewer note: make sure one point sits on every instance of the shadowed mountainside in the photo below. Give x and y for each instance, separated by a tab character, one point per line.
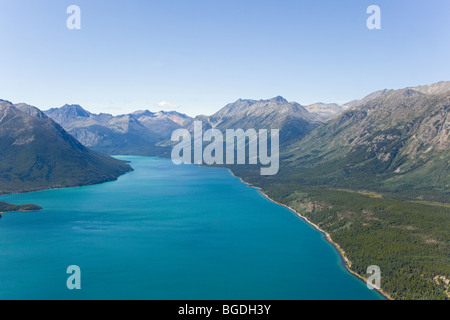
36	153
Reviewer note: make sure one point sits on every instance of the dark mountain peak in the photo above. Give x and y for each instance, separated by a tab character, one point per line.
5	101
377	94
279	99
75	110
172	113
127	117
68	114
5	104
243	107
30	110
243	101
372	96
133	119
141	113
7	109
434	88
410	93
291	118
441	87
20	109
162	112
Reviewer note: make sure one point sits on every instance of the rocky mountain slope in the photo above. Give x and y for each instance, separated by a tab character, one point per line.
325	112
134	134
377	179
36	153
395	139
292	119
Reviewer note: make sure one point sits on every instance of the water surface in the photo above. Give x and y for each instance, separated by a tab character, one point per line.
167	232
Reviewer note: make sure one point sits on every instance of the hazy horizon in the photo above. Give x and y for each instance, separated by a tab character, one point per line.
195	57
156	110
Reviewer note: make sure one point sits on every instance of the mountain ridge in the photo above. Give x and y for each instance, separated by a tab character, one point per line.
398	135
36	153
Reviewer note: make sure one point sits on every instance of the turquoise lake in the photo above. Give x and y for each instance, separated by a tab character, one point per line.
167	232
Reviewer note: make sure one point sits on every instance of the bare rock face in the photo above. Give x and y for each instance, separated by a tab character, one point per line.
395	136
325	112
148	133
291	118
435	88
137	133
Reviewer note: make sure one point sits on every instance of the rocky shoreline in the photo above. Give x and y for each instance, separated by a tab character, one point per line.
341	251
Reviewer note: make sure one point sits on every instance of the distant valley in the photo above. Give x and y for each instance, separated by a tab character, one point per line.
148	133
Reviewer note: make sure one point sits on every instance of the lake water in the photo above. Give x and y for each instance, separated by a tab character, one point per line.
167	232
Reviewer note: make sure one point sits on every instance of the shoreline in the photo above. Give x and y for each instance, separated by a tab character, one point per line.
346	261
21	211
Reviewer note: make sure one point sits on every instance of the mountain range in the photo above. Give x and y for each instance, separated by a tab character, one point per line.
134	134
292	119
389	140
66	146
393	140
148	133
37	153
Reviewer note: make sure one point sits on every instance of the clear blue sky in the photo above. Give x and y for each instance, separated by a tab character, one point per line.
199	55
